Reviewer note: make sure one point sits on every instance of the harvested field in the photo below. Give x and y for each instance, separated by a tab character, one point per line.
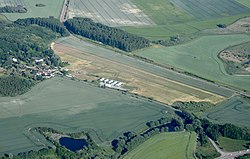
200	57
236	110
71	106
109	12
51	8
166	145
86	65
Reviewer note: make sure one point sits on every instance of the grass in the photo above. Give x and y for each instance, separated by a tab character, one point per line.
236	110
172	20
231	145
166	145
88	61
51	8
199	57
71	106
208	151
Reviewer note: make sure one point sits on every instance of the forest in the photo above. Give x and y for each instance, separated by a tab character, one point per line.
107	35
13	85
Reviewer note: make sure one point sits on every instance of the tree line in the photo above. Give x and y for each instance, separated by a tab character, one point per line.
51	23
13	9
107	35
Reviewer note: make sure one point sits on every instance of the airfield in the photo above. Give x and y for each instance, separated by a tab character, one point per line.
155	77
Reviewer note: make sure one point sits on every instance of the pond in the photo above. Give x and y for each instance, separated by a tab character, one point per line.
73	144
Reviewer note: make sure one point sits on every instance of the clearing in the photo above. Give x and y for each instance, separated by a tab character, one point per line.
71	106
51	8
109	12
236	110
166	145
88	61
200	57
237	59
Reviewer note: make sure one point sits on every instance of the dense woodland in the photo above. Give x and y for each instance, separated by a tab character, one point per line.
51	23
107	35
21	44
13	9
12	85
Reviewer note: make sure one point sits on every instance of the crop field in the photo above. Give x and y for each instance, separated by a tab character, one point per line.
236	110
172	19
88	61
166	145
109	12
200	57
71	106
51	8
210	9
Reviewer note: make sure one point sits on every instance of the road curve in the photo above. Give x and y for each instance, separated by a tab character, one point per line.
228	155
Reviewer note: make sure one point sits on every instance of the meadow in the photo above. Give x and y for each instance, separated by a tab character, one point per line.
231	145
186	17
166	145
51	8
200	57
236	110
71	106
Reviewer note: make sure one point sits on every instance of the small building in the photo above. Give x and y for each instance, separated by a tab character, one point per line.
39	60
111	81
102	79
106	80
14	59
119	84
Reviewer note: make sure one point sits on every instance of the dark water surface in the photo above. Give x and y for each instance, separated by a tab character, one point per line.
73	144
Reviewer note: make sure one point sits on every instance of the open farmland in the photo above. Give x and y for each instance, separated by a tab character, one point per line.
71	106
51	8
88	61
236	110
200	57
172	19
166	145
109	12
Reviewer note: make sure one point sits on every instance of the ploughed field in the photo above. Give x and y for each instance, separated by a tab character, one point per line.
71	106
51	8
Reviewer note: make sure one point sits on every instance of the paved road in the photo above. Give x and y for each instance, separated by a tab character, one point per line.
90	48
228	155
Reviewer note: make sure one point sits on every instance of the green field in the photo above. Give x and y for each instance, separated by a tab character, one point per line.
52	8
166	145
172	19
236	110
231	145
71	106
200	57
